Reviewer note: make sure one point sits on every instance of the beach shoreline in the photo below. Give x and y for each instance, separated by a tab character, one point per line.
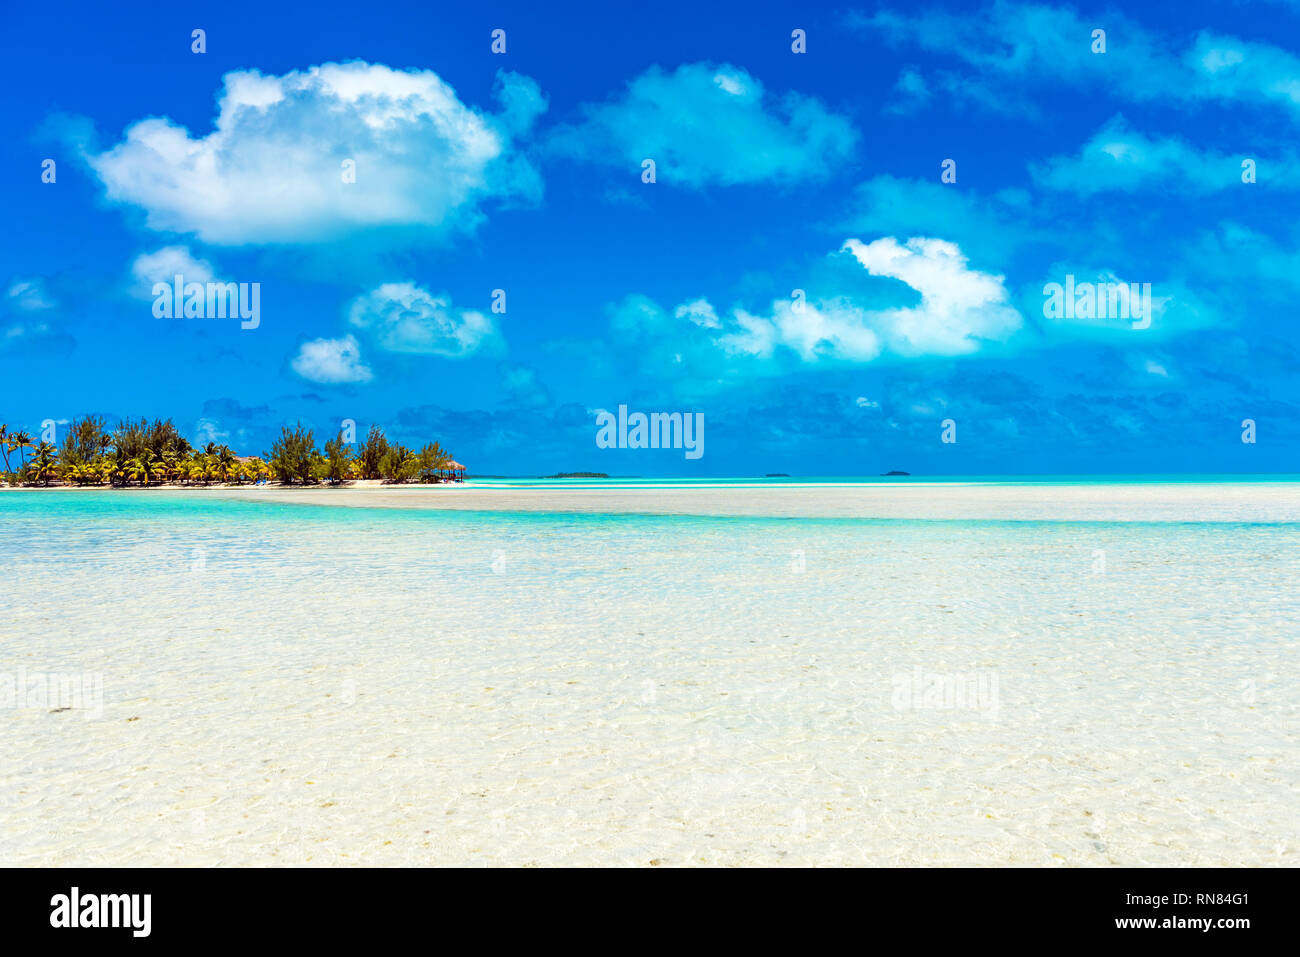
1260	500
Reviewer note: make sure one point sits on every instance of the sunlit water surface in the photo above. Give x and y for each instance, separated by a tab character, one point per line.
289	684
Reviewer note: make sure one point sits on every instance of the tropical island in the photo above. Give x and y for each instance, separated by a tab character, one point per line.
145	454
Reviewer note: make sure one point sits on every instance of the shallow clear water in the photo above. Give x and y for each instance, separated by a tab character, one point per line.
292	683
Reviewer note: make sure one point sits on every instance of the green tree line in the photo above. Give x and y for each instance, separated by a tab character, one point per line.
146	453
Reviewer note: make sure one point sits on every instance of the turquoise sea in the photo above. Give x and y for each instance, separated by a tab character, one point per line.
285	682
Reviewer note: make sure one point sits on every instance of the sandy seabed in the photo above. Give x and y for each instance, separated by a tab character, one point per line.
575	679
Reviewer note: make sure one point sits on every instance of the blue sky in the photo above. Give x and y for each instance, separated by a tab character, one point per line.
775	171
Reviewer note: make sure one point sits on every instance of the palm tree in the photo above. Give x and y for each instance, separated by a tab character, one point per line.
22	441
170	465
246	470
121	473
258	469
225	461
44	463
4	444
204	469
145	467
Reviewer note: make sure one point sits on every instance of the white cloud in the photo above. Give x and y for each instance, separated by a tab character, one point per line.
331	361
699	312
913	90
1121	158
271	169
705	123
1233	69
29	295
209	430
1008	47
835	329
25	330
164	265
959	308
404	317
